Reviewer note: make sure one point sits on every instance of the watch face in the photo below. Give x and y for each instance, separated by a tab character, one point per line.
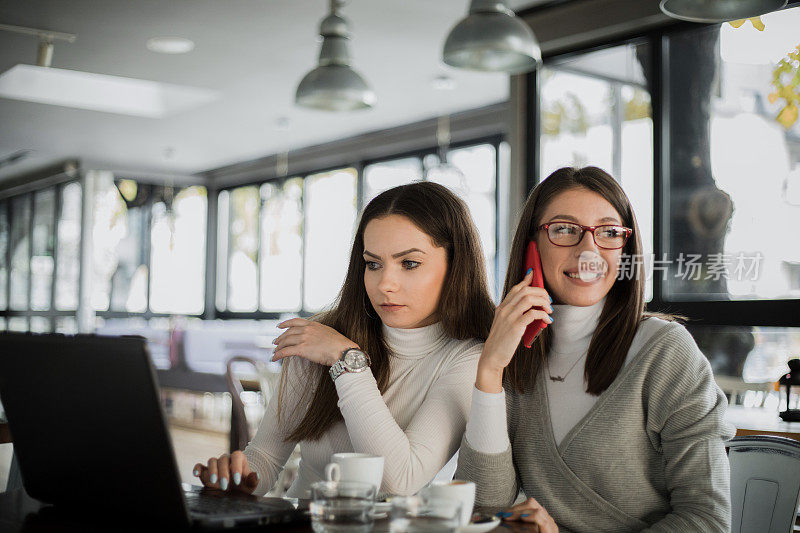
355	359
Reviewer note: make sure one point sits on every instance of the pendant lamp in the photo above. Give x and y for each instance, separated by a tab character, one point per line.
718	10
333	85
492	38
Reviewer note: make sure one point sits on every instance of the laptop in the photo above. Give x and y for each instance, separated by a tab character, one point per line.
90	435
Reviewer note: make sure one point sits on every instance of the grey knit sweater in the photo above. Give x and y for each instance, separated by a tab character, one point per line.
649	456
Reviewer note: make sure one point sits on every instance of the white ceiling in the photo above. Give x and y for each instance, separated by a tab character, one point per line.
254	52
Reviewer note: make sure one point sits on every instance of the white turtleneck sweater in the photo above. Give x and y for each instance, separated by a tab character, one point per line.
572	329
416	425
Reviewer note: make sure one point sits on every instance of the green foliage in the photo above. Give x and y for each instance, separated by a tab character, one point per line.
786	81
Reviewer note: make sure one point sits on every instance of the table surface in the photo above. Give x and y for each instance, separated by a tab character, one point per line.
21	513
760	421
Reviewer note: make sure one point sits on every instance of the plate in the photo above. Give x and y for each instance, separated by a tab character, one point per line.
480	528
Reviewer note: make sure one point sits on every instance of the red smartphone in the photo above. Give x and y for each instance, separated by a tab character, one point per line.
533	261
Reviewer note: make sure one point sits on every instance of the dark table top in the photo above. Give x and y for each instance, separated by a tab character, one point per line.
21	513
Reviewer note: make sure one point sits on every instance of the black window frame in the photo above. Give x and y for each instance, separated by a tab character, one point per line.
50	314
145	250
763	312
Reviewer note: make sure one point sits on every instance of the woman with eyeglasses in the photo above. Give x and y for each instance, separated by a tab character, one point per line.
389	369
611	420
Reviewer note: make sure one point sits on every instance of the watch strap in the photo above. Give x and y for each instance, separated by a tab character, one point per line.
339	367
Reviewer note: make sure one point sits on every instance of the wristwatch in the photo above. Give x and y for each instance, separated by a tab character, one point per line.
352	360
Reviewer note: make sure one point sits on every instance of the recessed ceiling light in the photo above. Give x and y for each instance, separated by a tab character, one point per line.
170	45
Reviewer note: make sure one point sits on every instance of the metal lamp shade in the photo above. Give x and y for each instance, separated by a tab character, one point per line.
718	10
333	85
334	88
492	38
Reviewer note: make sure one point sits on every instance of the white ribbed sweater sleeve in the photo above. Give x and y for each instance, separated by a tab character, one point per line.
268	451
487	430
414	456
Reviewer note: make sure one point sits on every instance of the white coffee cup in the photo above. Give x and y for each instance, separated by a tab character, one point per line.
463	491
359	467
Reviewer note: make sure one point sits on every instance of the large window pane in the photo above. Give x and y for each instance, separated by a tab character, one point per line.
477	164
596	111
43	248
281	251
756	354
18	323
735	162
4	236
387	174
178	252
41	324
20	255
330	208
243	249
67	325
120	273
69	241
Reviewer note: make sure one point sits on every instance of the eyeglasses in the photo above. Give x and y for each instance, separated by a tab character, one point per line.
606	236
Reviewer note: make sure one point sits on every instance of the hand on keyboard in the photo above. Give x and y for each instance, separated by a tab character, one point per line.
229	473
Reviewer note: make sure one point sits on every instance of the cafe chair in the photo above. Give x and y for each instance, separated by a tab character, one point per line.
240	434
735	389
765	483
268	381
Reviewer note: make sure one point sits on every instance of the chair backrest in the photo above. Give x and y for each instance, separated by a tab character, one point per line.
765	483
268	380
735	389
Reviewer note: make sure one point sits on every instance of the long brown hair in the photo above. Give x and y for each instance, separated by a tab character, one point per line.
624	307
465	309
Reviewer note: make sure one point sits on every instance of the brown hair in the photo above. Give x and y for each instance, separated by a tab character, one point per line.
624	307
465	309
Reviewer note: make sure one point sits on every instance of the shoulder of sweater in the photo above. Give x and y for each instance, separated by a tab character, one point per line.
670	351
457	349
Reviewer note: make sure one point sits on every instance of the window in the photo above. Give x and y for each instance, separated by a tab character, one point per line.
281	251
118	282
20	253
39	247
43	237
330	209
148	249
734	181
384	175
178	251
69	242
724	190
478	167
243	249
595	110
283	246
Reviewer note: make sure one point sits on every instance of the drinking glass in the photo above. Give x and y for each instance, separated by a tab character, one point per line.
341	506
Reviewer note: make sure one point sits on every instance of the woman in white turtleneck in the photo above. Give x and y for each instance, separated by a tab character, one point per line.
389	369
611	421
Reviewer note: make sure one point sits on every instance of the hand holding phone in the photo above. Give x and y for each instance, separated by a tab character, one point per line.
533	261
